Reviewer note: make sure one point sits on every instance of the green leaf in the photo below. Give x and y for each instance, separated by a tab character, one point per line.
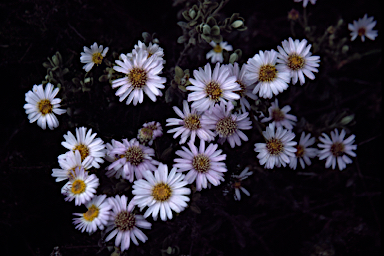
179	72
181	39
215	30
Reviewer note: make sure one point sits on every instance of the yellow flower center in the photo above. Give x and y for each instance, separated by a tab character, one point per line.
300	151
45	106
295	62
92	213
134	155
97	58
361	31
83	149
242	89
237	184
274	146
161	192
226	127
213	90
278	115
192	122
217	48
137	77
337	149
145	134
201	163
78	187
267	73
125	221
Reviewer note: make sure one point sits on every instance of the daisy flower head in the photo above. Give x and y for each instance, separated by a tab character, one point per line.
95	217
114	172
304	153
190	125
278	147
236	183
149	132
270	78
124	224
363	27
91	149
297	60
246	88
336	149
142	76
280	116
216	54
210	87
151	49
227	125
205	165
68	163
133	157
305	2
42	106
161	192
92	56
82	187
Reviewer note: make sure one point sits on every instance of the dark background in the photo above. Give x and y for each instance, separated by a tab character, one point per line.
304	212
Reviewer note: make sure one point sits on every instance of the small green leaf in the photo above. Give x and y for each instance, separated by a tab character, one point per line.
181	39
237	24
179	72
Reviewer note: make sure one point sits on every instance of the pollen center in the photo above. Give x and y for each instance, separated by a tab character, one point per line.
192	122
274	146
137	77
278	115
337	149
295	62
92	213
78	187
83	149
214	91
267	73
125	221
242	89
236	184
361	31
300	151
217	48
161	192
134	155
225	127
145	134
45	106
201	163
97	58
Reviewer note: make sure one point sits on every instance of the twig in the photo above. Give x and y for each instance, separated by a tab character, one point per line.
76	31
26	52
368	140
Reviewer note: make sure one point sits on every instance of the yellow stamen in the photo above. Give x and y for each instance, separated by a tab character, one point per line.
217	48
267	73
161	192
214	91
274	146
78	187
83	149
92	213
295	62
97	58
45	106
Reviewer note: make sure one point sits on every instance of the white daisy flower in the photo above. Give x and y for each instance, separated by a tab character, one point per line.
280	116
245	86
68	163
114	172
142	75
124	223
236	184
305	2
336	149
202	164
227	125
190	125
216	54
42	105
91	149
133	157
278	147
161	193
82	187
271	79
149	132
152	49
363	27
97	215
211	88
297	59
93	56
304	152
